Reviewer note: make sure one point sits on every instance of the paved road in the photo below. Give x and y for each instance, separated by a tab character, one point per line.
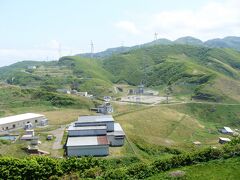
177	103
58	133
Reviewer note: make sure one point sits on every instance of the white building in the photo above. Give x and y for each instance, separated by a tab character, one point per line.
26	121
65	91
82	94
87	146
92	135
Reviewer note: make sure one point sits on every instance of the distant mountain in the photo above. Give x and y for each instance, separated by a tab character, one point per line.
227	42
161	41
106	53
189	41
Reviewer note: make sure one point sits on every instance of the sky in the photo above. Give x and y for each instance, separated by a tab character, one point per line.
49	29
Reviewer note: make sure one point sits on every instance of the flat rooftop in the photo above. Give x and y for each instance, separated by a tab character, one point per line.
82	128
92	119
228	129
87	141
224	139
118	131
20	117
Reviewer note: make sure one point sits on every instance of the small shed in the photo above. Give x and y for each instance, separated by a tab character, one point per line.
87	146
223	140
226	130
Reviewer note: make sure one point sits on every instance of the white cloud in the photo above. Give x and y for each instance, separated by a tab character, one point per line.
214	19
128	26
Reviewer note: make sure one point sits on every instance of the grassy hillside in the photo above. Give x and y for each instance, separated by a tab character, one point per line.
187	69
178	126
69	72
215	170
16	100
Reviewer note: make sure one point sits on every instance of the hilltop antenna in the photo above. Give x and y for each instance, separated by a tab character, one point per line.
92	48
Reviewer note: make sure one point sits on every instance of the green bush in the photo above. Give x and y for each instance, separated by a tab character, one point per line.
41	167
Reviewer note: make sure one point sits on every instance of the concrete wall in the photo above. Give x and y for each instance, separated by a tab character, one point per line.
110	125
89	132
20	124
101	150
116	141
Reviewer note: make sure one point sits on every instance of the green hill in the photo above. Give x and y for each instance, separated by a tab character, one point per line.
227	42
187	69
189	41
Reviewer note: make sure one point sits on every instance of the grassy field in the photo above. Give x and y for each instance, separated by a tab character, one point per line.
167	127
214	170
212	115
64	116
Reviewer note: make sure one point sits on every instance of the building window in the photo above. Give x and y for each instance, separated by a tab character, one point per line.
13	125
6	128
36	121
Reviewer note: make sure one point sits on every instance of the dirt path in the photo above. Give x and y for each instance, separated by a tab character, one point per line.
58	133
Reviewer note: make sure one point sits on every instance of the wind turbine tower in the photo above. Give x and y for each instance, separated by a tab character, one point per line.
59	50
92	48
155	36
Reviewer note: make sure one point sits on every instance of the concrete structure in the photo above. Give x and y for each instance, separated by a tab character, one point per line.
22	121
92	135
107	98
29	135
82	94
105	108
87	146
223	140
116	138
86	130
226	130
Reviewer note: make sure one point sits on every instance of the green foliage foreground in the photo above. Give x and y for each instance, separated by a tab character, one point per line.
40	167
